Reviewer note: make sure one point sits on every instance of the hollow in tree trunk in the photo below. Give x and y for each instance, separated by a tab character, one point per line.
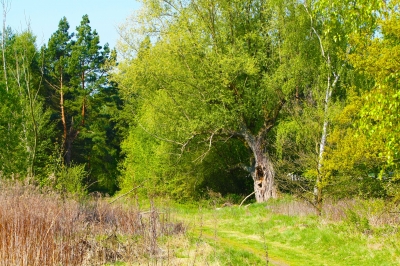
262	171
264	183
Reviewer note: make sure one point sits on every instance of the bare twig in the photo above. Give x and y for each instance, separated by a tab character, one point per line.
123	195
246	198
201	157
160	138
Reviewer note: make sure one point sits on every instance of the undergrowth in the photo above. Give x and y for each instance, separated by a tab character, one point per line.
40	227
43	228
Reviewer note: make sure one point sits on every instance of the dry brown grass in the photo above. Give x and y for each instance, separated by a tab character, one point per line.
39	228
377	212
292	208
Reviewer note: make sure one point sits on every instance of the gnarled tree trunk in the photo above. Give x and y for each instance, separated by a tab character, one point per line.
262	171
264	183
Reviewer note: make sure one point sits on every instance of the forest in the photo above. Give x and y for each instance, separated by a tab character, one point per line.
243	100
235	97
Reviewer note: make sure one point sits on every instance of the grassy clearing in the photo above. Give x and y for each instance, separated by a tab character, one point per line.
288	233
38	228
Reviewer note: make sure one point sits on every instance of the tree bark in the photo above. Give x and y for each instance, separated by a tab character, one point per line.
72	134
3	40
64	123
262	172
319	182
264	180
84	98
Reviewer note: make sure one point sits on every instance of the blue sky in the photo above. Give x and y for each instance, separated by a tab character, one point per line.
44	15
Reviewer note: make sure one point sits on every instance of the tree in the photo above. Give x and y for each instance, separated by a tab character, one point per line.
85	68
84	101
358	173
302	135
371	142
57	55
212	71
333	23
24	121
377	58
6	7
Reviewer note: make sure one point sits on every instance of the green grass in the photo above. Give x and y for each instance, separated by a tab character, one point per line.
283	231
242	236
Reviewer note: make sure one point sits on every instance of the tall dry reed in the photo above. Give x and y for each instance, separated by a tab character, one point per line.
39	228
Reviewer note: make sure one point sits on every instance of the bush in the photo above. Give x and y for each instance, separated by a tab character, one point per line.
71	179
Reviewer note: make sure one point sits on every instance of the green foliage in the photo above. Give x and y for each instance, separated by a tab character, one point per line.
378	59
313	142
371	144
212	72
71	180
24	122
12	152
317	81
361	223
84	102
59	97
222	170
148	164
357	174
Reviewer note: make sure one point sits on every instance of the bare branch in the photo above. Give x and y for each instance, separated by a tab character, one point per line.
123	195
271	121
160	138
51	85
201	157
248	196
186	143
6	8
320	42
315	32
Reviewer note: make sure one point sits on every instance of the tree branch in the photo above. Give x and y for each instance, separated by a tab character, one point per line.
201	157
248	196
123	195
270	122
160	138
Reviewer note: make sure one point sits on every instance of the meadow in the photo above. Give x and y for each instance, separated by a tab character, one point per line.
40	227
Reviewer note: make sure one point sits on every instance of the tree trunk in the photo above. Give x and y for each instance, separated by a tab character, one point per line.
3	41
72	134
64	122
319	182
264	182
262	171
84	98
68	151
32	113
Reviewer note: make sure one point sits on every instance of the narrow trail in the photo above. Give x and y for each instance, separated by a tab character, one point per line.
235	240
239	245
218	230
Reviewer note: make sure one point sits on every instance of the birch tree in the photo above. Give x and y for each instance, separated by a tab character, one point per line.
332	23
24	119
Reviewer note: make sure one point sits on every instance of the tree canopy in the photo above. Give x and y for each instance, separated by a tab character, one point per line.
243	96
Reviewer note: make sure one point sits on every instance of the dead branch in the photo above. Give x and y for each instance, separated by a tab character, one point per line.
246	198
123	195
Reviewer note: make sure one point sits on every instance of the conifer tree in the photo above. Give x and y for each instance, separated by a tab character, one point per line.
82	98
